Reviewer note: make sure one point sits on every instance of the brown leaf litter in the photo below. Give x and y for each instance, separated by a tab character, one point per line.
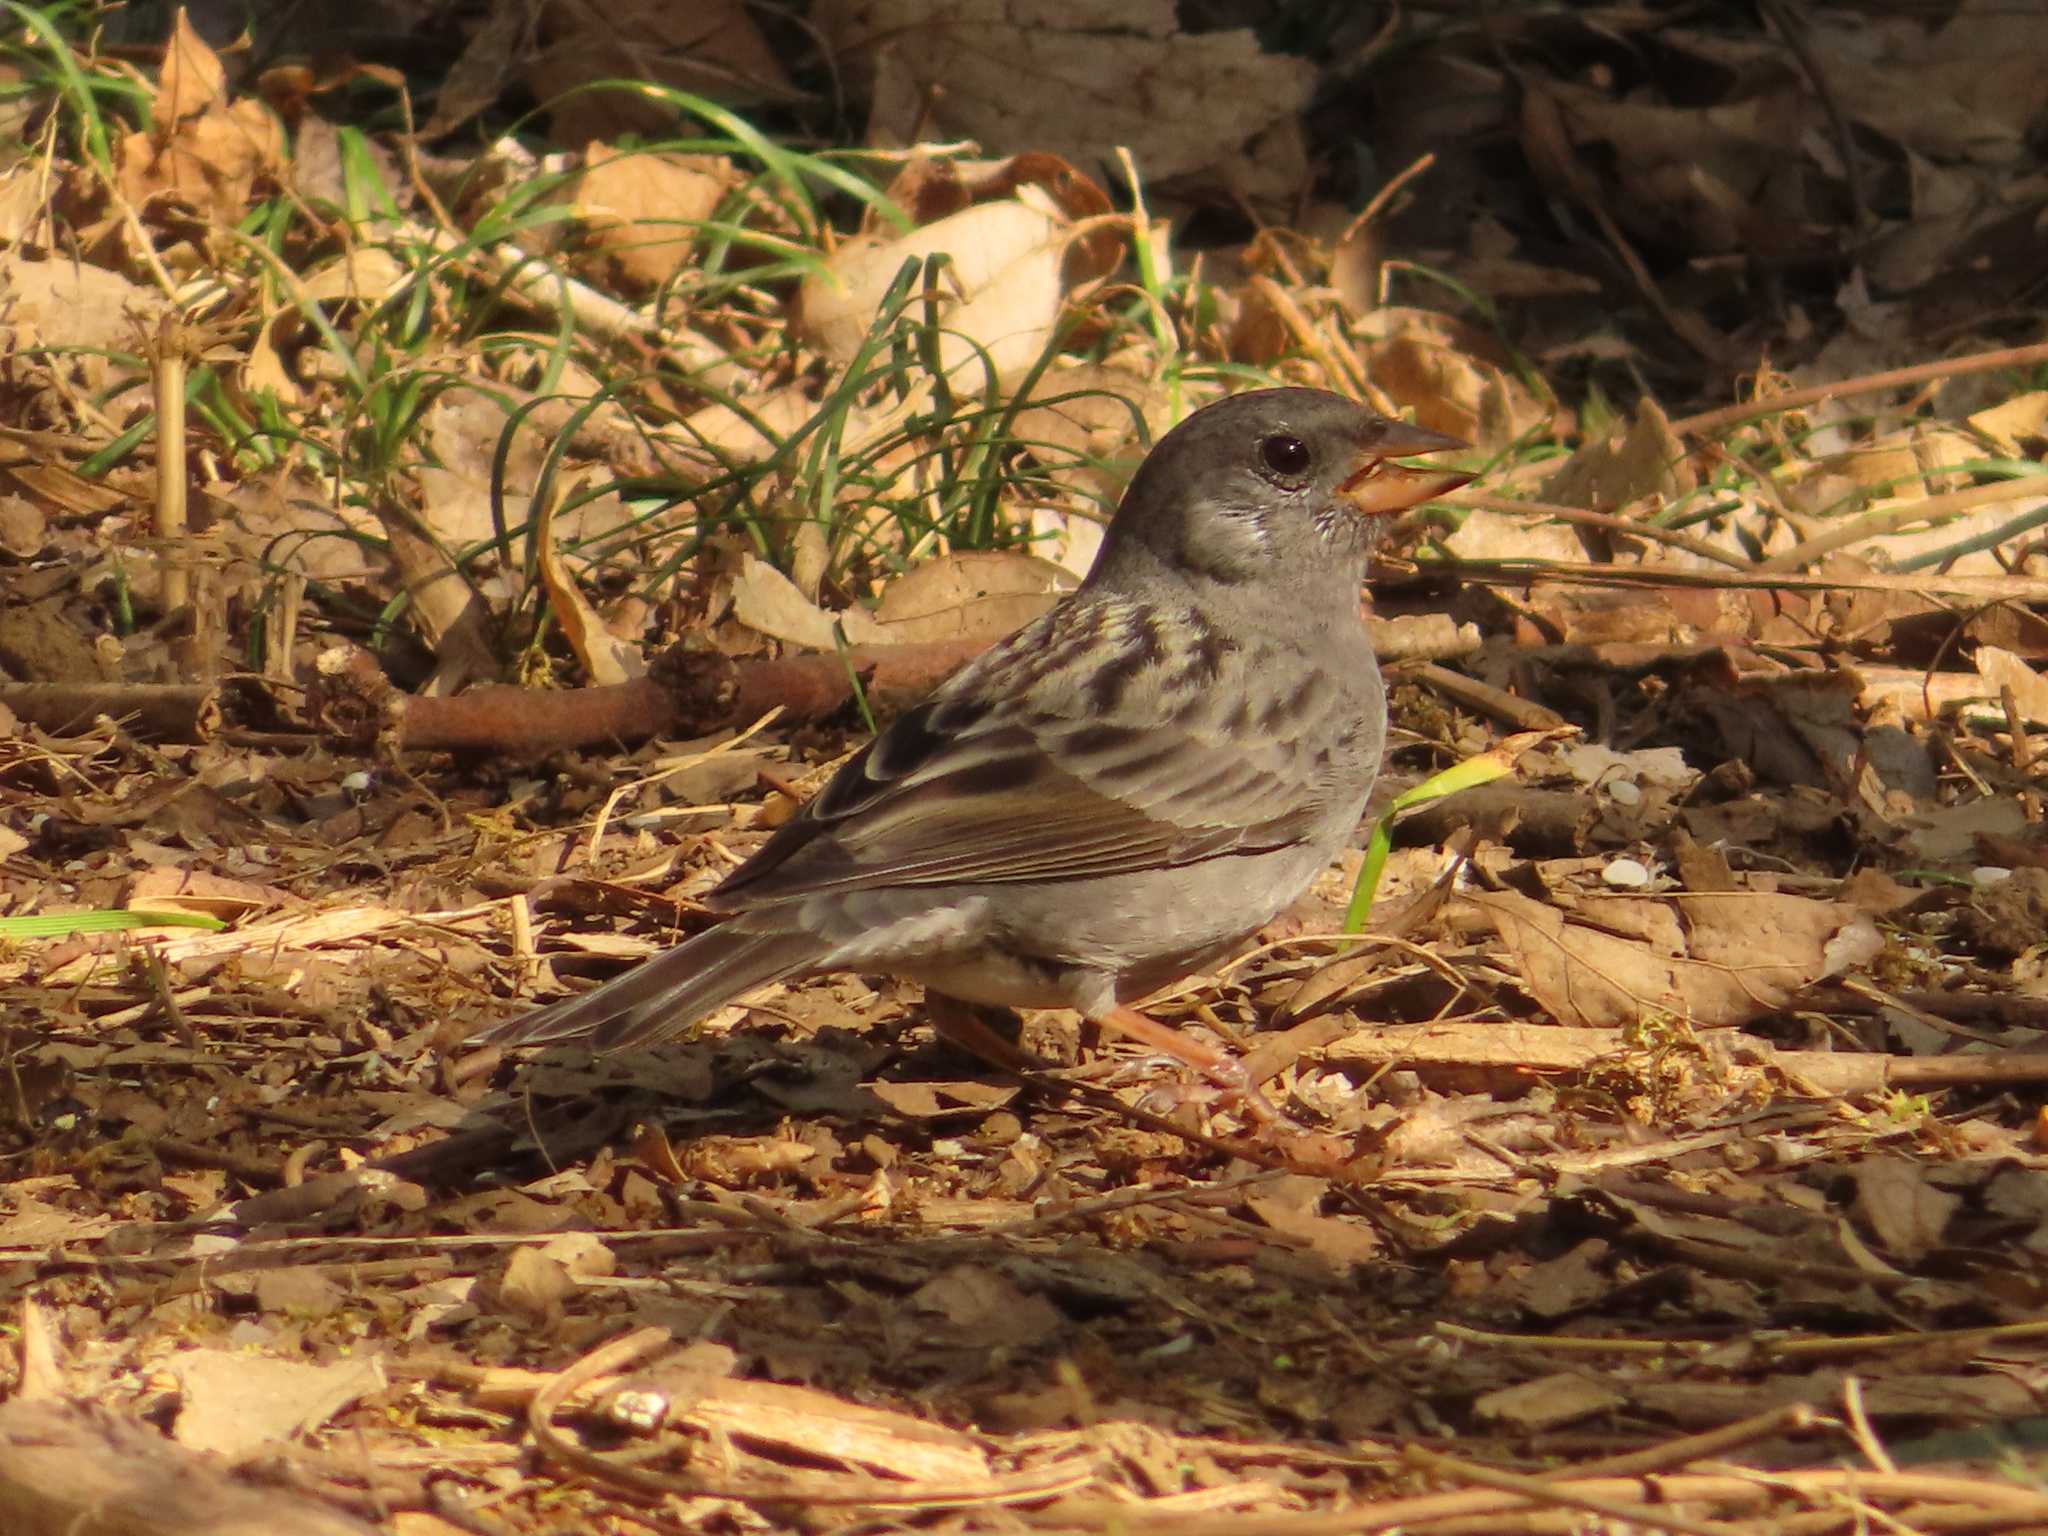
1668	1155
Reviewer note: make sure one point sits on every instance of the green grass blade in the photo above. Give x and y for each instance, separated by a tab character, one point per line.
1474	771
61	925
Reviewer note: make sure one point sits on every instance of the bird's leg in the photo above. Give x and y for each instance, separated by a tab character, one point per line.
960	1023
1225	1071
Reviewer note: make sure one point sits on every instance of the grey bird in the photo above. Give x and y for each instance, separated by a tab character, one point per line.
1120	792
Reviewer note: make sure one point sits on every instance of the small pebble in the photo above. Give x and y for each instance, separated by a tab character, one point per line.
1626	874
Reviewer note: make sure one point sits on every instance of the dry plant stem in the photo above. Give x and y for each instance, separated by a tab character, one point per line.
1862	1430
1581	1347
1628	527
1949	1343
1890	519
1864	384
688	693
1876	1000
1353	378
167	381
1928	584
2016	727
551	292
1522	714
281	634
1958	1503
1546	138
1386	194
1525	1049
1791	26
646	782
1946	1344
1766	490
1559	1494
38	1378
1792	1419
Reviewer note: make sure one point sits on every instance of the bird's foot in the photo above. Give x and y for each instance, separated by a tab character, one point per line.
1225	1071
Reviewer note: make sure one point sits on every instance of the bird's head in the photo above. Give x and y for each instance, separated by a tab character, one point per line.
1286	484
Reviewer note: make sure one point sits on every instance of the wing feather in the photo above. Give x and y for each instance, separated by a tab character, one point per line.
1045	784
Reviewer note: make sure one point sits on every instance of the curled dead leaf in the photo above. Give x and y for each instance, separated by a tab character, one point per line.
644	208
206	148
997	299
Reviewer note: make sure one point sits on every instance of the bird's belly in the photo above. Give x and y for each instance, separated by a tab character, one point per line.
1131	934
1084	944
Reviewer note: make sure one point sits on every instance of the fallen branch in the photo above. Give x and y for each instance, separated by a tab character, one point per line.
188	713
688	693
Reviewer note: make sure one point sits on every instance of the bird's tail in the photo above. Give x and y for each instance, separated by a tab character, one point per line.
661	998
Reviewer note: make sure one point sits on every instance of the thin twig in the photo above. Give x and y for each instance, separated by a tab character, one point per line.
1562	1495
1863	384
1929	509
1935	587
1629	527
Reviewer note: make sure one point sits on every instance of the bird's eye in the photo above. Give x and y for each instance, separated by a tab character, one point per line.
1284	454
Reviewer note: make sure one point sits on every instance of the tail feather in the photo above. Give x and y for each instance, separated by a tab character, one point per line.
661	998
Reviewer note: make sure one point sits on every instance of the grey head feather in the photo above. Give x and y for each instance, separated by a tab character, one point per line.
1214	503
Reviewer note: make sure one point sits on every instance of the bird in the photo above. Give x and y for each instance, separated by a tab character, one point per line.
1116	795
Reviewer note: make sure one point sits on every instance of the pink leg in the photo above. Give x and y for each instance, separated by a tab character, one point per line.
1225	1072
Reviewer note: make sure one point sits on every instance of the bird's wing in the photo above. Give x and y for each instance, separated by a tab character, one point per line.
1100	739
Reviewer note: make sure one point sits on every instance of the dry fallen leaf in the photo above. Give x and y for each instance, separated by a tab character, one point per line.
1293	1206
1640	461
1914	462
24	199
1733	956
1976	79
1103	73
997	301
607	658
1548	1402
235	1400
205	148
769	603
1947	834
709	48
1906	1212
970	594
2001	670
74	307
1447	373
2018	426
643	208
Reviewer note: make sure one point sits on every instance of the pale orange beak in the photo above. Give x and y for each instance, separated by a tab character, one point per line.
1379	487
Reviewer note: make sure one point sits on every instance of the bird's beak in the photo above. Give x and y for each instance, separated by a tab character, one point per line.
1378	487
